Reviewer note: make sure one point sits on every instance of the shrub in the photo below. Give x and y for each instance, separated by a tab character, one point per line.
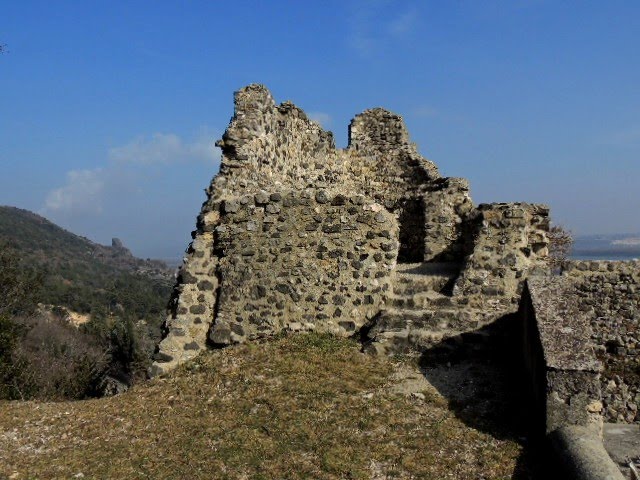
130	345
560	245
19	284
52	360
9	369
44	356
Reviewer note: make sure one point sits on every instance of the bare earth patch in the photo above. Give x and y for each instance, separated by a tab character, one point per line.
299	407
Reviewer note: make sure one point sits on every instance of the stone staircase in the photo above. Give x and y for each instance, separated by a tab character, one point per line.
420	311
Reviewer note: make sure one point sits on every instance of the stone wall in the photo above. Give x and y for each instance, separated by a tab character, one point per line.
381	139
559	359
260	264
192	305
269	145
509	240
386	166
447	211
301	261
599	302
610	293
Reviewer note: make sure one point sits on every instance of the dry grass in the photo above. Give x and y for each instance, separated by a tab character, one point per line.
300	407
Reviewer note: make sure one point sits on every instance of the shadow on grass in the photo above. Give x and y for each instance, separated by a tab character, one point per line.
480	374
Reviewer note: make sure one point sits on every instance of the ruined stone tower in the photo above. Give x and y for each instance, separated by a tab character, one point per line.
298	235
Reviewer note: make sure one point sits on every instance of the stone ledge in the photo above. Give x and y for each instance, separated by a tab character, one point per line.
565	331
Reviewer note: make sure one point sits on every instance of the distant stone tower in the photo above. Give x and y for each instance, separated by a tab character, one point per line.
298	235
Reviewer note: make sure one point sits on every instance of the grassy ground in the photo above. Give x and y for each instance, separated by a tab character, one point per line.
299	407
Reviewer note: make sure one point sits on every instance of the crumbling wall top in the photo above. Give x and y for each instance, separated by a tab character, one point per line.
253	97
380	131
267	144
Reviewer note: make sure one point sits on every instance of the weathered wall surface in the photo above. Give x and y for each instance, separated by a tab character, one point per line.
193	301
509	240
392	164
559	358
599	303
301	261
447	208
384	165
610	294
268	145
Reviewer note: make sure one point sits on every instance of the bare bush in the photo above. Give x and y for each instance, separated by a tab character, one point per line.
560	245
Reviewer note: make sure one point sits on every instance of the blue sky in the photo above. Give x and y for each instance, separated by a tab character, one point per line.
109	110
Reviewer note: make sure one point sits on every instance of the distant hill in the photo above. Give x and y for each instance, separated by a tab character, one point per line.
82	275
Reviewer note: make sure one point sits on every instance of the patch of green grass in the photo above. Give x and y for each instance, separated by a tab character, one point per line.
299	407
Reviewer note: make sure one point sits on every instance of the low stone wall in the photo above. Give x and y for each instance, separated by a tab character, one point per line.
301	261
610	292
559	359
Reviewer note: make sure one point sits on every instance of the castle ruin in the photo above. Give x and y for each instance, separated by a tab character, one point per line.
298	235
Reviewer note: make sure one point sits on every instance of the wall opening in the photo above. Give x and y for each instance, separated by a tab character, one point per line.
412	231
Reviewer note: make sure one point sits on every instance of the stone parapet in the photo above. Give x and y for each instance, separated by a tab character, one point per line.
609	294
559	358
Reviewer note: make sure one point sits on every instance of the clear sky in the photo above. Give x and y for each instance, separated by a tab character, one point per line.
109	110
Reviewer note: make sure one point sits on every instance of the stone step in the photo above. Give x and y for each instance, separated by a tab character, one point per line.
412	286
419	300
412	278
402	331
432	320
418	340
431	268
404	341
